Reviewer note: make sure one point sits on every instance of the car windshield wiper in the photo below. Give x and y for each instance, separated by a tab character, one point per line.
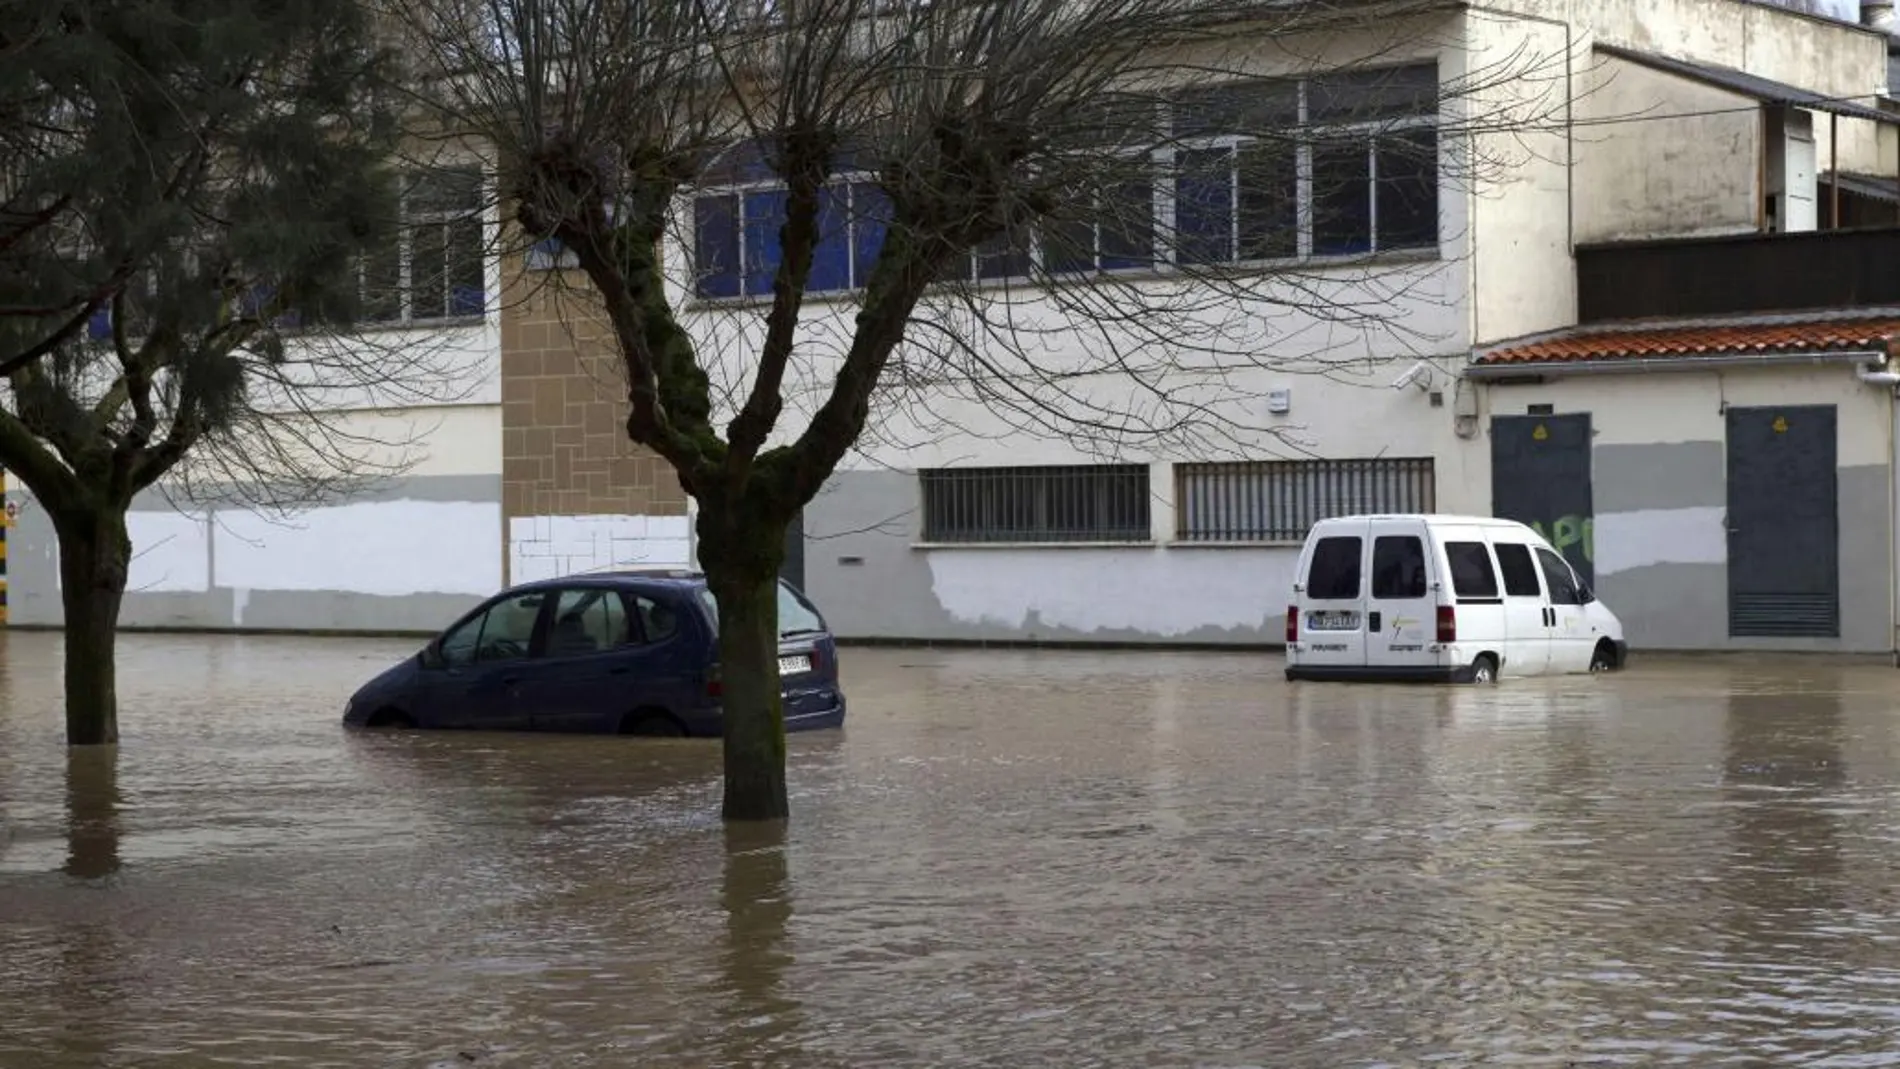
797	631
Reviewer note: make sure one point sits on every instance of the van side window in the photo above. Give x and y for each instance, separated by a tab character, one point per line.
1520	575
1563	585
1398	567
1334	573
1471	573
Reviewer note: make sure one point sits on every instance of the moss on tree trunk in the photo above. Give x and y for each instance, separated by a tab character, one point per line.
754	708
94	556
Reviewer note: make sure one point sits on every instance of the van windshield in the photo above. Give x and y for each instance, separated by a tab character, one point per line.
794	616
1333	574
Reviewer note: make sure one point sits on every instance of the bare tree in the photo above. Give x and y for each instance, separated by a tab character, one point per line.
1061	144
186	198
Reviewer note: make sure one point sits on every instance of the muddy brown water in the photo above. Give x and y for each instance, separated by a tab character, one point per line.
1005	859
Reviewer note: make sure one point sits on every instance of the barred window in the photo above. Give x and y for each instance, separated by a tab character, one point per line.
1280	500
1074	503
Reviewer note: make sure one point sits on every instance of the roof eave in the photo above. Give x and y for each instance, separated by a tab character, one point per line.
1635	365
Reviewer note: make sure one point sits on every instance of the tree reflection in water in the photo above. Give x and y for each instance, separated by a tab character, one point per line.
756	894
92	812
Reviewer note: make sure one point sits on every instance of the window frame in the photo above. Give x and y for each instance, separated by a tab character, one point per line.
1358	569
1569	574
1530	560
981	498
1496	596
537	642
1302	135
410	186
1422	589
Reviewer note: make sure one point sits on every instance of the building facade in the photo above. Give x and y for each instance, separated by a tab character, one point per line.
1479	215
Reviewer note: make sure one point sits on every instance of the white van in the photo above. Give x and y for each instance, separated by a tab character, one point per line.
1465	599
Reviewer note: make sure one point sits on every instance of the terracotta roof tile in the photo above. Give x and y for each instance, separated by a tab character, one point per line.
1710	339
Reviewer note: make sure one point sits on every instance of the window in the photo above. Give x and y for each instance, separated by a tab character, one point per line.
795	615
1093	503
1520	575
1471	573
1339	164
1557	575
503	633
1333	574
659	622
436	267
587	621
1398	567
736	239
1281	500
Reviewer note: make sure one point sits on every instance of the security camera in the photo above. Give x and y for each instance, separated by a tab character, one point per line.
1419	375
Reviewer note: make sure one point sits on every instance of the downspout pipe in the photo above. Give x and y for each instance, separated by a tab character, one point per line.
1876	373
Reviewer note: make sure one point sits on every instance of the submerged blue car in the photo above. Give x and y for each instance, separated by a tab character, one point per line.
628	653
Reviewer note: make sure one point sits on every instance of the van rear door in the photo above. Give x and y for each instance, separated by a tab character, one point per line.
1332	595
1401	608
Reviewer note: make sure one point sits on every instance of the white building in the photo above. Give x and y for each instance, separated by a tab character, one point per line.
956	525
409	554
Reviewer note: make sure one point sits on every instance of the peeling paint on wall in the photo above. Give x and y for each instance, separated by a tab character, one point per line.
1626	540
546	547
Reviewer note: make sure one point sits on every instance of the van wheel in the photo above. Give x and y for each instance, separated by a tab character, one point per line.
1484	670
1603	658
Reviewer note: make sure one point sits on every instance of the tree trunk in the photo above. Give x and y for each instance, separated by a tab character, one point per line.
95	554
754	709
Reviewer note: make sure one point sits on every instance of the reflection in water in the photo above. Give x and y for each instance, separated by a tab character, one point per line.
1012	859
92	811
755	892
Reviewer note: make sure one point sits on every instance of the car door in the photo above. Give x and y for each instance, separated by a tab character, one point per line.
480	665
1402	612
1330	595
1526	610
1570	638
577	684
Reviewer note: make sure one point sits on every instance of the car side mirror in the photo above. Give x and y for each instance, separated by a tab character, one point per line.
430	658
1586	594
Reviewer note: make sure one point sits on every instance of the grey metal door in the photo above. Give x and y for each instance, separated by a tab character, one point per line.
1784	574
793	568
1540	475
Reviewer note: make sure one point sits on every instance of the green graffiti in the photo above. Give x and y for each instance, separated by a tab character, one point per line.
1569	531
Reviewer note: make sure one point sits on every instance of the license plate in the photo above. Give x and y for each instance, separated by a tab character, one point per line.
791	666
1332	620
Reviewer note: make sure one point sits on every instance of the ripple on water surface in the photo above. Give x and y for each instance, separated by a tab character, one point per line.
1008	859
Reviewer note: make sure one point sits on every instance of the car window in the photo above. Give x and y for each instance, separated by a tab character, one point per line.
1398	566
1333	574
1520	575
503	633
795	617
658	621
587	621
1471	573
1563	585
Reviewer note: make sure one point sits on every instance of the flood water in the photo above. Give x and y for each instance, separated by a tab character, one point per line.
1005	859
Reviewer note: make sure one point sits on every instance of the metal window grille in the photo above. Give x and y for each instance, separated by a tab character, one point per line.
1078	503
1280	500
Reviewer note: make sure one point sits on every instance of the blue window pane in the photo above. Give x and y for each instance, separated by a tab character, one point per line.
764	217
716	246
831	260
1204	206
99	326
466	301
871	215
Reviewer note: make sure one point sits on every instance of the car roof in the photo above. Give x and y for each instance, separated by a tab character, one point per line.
639	578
